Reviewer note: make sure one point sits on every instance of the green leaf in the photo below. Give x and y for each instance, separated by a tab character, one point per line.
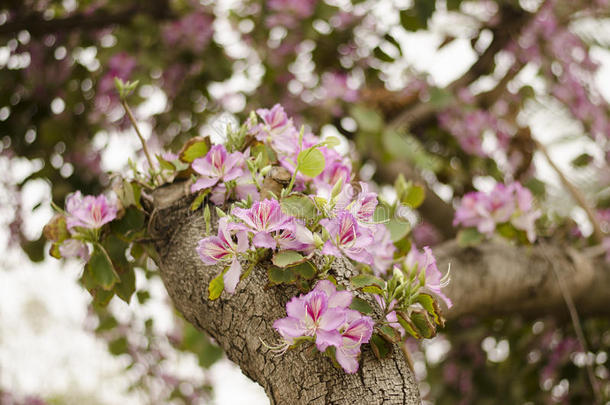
127	285
165	165
414	195
305	270
367	280
469	237
200	344
300	206
431	305
382	55
278	275
56	230
408	325
381	348
361	306
368	120
118	346
311	162
199	200
286	258
440	98
331	141
131	222
453	5
424	325
194	148
507	230
101	269
216	286
398	228
390	334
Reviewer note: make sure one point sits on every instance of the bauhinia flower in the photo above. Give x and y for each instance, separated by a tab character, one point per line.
300	239
223	248
426	263
89	211
216	167
525	216
74	248
361	205
312	315
277	127
512	203
383	254
347	238
356	331
263	219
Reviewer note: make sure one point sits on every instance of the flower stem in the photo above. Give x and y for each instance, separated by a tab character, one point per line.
142	141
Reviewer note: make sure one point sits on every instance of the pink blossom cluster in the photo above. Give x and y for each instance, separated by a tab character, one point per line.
512	204
469	127
288	13
193	31
324	315
83	214
572	71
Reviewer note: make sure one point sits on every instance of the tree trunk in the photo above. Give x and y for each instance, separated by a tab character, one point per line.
239	322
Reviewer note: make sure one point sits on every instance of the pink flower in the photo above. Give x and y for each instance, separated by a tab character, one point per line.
88	211
311	315
425	261
336	168
356	331
300	239
348	238
217	166
362	206
525	216
383	253
279	128
262	219
512	203
222	248
74	248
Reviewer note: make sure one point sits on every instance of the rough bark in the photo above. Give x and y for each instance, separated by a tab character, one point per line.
497	278
239	322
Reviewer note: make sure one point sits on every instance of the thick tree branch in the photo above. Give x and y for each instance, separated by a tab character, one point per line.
498	278
239	322
37	25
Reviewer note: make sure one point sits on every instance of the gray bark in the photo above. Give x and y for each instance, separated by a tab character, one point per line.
496	278
239	322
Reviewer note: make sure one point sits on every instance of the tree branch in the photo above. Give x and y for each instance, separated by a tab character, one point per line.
239	321
498	278
37	25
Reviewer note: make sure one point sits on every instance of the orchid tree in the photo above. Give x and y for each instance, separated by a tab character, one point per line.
340	221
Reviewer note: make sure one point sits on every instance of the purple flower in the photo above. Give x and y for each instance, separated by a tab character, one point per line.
362	207
74	248
348	238
525	216
223	248
264	218
89	211
300	239
279	128
356	331
484	211
311	315
217	166
383	254
336	168
425	261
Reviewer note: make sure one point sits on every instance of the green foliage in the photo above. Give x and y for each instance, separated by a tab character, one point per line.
216	286
310	162
469	237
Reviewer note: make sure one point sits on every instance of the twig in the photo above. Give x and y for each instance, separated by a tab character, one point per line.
565	293
142	141
598	234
